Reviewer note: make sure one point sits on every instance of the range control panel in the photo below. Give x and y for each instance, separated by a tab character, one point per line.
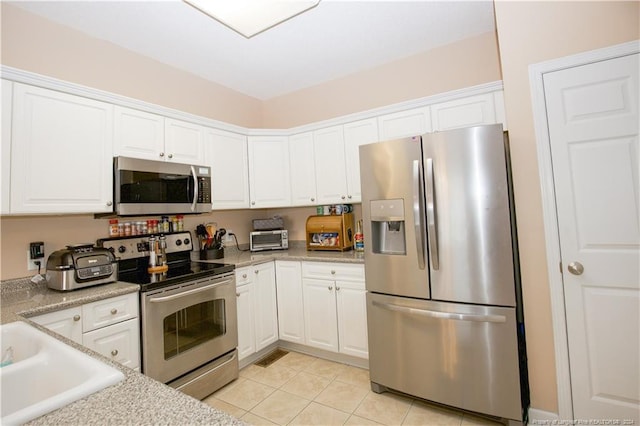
138	246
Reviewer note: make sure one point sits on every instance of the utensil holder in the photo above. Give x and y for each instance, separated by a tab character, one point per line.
212	254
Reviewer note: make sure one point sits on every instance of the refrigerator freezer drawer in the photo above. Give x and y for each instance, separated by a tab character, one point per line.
464	356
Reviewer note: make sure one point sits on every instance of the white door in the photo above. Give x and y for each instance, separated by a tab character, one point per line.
5	147
269	184
355	134
290	307
593	130
184	142
265	305
246	330
303	169
226	154
351	301
331	174
320	317
137	134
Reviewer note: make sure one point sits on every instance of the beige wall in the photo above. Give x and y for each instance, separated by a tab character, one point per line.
461	64
34	44
528	33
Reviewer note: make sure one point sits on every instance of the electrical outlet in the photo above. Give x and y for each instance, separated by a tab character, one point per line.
227	237
31	266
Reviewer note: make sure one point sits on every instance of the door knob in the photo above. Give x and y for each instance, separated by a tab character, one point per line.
576	268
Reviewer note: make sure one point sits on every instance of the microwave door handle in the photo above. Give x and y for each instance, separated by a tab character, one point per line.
418	212
431	215
195	188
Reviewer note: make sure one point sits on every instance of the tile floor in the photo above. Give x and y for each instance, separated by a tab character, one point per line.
299	389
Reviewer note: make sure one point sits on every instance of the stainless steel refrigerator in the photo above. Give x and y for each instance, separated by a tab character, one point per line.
443	304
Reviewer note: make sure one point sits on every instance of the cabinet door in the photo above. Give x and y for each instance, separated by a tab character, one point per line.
320	320
355	134
109	311
119	342
184	142
5	147
265	308
269	171
61	153
465	112
331	174
290	302
352	318
246	331
303	174
226	154
67	323
137	134
413	122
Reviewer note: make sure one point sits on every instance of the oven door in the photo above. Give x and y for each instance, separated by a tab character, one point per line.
188	325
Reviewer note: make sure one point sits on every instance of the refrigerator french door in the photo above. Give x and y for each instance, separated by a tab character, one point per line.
443	291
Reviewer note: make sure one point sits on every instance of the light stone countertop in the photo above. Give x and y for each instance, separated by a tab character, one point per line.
137	400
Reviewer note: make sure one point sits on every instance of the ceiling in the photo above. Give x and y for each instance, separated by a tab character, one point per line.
332	40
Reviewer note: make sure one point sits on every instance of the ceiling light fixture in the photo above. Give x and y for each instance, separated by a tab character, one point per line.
251	17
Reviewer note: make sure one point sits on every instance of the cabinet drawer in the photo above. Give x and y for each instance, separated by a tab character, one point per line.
243	276
110	311
119	342
333	271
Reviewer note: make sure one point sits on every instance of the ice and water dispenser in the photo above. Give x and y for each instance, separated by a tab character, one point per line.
387	226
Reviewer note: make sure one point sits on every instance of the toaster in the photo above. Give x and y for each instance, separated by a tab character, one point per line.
79	266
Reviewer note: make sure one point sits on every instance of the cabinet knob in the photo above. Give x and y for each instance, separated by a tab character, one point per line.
253	203
170	155
256	271
237	294
109	203
76	317
114	352
244	275
349	197
313	199
162	154
330	288
337	288
333	272
114	311
343	197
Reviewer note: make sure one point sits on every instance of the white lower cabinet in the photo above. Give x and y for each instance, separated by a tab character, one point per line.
257	308
290	306
334	302
109	327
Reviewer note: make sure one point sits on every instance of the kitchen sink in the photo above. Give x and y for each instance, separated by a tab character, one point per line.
46	374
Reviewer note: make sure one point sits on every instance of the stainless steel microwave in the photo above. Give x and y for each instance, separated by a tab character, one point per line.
145	187
269	240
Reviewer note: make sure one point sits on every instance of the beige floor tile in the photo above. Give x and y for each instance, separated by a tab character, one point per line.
425	414
359	421
317	414
306	385
250	371
224	406
273	375
280	407
342	396
385	408
470	420
252	419
324	368
355	376
244	393
295	361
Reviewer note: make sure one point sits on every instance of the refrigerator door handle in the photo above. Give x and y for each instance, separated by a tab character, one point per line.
431	215
418	212
441	315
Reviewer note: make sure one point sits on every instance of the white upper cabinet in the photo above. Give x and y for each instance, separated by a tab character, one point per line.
269	178
412	122
61	153
355	134
465	112
5	147
226	154
303	175
137	134
331	174
184	142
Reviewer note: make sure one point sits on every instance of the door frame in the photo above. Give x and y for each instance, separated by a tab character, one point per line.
549	210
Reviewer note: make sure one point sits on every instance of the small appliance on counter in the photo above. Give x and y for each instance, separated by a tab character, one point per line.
333	232
80	266
269	234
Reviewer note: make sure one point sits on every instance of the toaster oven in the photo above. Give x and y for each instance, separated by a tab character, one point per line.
277	239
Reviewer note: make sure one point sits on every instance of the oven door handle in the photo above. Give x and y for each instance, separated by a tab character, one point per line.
186	293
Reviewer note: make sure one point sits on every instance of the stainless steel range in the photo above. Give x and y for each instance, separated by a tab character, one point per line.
188	314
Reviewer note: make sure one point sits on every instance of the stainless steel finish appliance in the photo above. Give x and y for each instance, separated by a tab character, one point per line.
443	304
79	266
188	314
145	187
277	239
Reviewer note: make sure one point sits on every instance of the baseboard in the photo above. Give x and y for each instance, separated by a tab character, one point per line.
540	417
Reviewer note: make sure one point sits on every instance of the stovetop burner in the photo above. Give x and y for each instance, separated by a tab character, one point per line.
133	260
